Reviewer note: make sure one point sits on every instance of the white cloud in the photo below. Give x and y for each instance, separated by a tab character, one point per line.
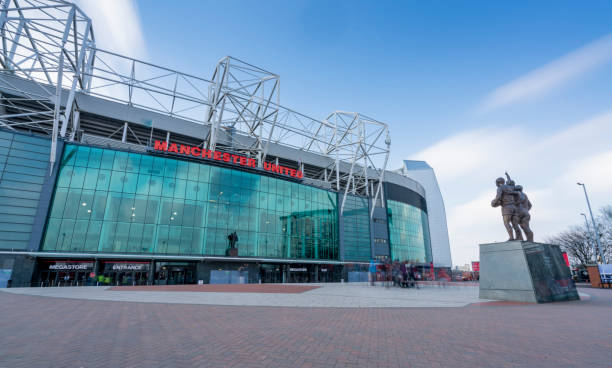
116	26
470	151
547	166
550	76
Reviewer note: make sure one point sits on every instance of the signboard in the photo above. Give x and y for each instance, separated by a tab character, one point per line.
476	266
125	266
194	151
298	269
566	259
605	272
71	266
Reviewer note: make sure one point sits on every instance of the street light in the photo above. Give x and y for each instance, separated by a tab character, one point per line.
595	231
591	243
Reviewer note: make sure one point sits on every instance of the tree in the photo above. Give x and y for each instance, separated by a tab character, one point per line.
604	220
577	243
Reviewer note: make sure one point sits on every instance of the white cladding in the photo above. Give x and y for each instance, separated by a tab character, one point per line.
421	172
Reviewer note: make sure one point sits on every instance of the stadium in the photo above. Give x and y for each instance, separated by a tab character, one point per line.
120	171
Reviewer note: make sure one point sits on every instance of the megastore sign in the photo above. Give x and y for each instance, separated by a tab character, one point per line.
192	151
71	266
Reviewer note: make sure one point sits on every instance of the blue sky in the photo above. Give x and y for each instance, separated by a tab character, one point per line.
410	64
463	85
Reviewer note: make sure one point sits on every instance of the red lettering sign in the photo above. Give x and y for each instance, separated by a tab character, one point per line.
188	150
476	266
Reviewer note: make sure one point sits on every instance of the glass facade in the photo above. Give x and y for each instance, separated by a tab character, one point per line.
24	165
114	201
356	229
408	233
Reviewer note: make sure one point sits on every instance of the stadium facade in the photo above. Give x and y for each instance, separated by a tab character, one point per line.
118	171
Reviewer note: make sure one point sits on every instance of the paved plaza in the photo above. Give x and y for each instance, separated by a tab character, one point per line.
272	295
443	327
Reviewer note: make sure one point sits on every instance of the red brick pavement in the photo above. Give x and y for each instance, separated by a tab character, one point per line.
223	288
52	332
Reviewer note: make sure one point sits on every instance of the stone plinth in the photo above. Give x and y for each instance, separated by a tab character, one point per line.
525	272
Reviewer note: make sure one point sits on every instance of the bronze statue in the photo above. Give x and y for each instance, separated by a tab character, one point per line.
515	208
232	250
233	239
505	199
523	212
515	216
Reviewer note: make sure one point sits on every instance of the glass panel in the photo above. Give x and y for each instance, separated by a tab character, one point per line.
91	179
120	162
95	158
133	162
82	156
78	177
122	234
116	181
108	158
107	236
103	182
155	185
408	233
167	206
93	236
59	202
130	182
69	155
143	184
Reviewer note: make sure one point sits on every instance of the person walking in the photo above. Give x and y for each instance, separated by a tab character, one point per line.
389	272
372	273
396	273
403	274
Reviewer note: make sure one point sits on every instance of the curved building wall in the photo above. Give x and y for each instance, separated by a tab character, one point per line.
425	175
408	223
115	201
408	232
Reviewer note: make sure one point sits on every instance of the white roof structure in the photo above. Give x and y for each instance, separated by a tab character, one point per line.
51	69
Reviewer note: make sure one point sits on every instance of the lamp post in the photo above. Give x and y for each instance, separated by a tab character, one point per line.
595	229
589	237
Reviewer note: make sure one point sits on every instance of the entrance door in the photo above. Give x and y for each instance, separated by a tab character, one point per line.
271	273
140	278
66	278
176	276
175	273
299	273
48	278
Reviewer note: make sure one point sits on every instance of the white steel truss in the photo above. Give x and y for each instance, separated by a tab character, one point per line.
52	43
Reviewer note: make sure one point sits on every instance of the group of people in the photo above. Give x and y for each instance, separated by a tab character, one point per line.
394	273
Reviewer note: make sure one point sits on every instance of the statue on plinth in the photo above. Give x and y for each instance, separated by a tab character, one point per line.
515	208
232	250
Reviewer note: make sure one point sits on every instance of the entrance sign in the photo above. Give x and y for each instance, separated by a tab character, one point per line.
124	266
192	151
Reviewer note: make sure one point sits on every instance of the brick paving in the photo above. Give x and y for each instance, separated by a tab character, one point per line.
54	332
223	288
